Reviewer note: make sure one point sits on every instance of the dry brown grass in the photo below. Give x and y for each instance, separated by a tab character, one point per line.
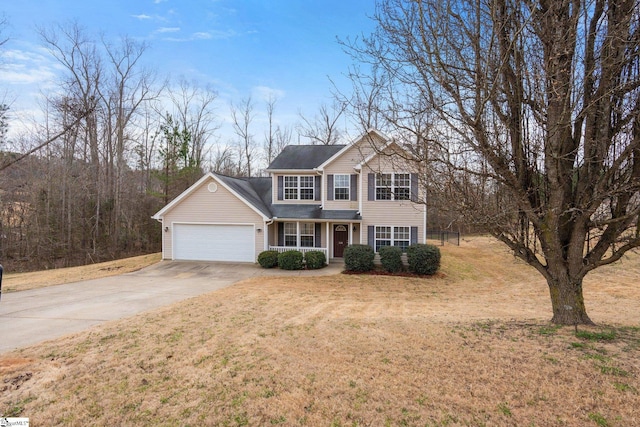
472	347
39	279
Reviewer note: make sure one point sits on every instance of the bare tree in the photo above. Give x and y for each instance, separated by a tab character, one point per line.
270	135
125	87
194	108
282	137
323	128
223	161
537	107
242	116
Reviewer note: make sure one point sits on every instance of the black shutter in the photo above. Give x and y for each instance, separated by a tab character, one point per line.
318	182
318	235
414	187
354	188
329	187
281	234
371	236
280	187
372	186
414	235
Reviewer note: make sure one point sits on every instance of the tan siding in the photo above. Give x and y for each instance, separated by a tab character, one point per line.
221	207
389	212
344	164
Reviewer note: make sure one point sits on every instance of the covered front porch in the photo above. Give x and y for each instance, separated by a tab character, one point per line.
330	237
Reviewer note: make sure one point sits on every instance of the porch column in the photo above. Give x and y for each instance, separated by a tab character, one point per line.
350	242
328	224
265	235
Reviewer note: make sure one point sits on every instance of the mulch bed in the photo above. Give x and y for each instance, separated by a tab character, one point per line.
379	271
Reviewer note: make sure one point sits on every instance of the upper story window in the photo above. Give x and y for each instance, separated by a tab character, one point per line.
341	185
299	187
393	186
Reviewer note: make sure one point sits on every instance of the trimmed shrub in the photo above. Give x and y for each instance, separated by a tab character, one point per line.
391	258
315	259
268	259
358	258
423	258
290	260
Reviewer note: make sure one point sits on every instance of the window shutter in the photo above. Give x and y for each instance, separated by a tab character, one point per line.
318	235
414	187
280	187
353	194
414	235
329	187
281	234
318	182
371	235
372	186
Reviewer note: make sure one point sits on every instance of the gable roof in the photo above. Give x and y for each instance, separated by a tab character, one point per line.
300	157
355	141
245	193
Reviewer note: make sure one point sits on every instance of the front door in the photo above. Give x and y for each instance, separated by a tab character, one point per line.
340	239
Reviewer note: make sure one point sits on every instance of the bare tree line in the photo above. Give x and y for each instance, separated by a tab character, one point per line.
117	142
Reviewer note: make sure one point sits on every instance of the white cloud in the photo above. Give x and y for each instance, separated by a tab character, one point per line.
204	35
142	16
168	30
263	93
22	67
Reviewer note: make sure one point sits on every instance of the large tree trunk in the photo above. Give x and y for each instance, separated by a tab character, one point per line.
567	302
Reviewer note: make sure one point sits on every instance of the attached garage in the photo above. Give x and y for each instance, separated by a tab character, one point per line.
214	242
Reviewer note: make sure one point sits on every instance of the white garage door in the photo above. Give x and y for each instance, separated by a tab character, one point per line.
205	242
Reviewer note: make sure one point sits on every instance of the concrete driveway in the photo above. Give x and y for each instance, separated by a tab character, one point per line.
29	317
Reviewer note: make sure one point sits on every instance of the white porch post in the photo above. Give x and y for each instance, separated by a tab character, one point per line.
328	234
265	235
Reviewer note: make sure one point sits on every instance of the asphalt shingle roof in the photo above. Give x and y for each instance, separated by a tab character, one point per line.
253	190
304	156
257	191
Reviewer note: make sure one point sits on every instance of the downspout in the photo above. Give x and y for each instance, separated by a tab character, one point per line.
360	198
322	195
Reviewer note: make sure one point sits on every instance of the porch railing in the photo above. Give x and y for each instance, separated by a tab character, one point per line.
298	248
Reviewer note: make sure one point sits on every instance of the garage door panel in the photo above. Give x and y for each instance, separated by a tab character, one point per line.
209	242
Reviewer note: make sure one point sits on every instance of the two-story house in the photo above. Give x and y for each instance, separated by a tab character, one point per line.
317	197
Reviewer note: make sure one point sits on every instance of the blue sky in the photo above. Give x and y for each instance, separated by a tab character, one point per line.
241	47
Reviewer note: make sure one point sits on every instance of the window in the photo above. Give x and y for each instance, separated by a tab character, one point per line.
383	186
392	236
306	187
401	237
290	234
341	185
383	237
393	186
307	234
401	186
290	187
299	187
